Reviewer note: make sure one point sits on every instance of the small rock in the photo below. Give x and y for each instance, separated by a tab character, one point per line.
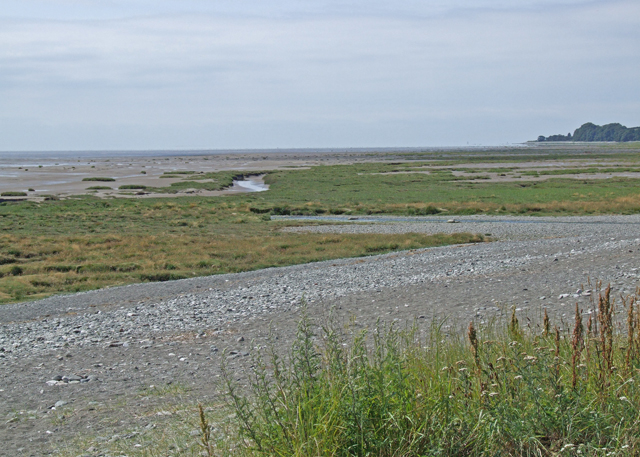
241	339
59	403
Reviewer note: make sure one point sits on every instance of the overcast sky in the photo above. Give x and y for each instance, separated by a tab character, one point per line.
214	74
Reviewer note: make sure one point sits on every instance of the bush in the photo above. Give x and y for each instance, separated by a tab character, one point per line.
15	270
132	186
425	211
7	260
99	178
259	210
102	268
61	268
280	211
161	277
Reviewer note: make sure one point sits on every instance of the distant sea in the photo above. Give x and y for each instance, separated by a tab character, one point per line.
65	155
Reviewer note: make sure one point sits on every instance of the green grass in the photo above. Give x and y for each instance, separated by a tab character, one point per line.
201	181
508	391
13	194
362	189
33	267
199	235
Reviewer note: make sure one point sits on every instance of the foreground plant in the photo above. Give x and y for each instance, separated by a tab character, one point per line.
505	391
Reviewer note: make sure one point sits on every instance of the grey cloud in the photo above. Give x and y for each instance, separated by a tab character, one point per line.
497	74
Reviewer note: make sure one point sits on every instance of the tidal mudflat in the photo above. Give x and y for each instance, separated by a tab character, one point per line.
190	283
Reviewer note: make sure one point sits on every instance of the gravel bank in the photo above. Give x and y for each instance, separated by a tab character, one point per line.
103	347
500	227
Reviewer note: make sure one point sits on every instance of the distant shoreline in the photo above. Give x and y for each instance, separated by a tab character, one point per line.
204	152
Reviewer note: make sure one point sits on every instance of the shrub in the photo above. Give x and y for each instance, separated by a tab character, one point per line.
15	270
280	211
161	277
99	178
259	210
132	186
61	268
7	260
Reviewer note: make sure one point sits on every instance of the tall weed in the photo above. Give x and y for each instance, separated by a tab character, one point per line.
505	390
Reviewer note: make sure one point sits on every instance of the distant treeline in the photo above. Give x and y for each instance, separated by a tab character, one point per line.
593	132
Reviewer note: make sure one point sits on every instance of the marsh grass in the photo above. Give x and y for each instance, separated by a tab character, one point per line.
34	267
173	238
193	180
503	390
99	179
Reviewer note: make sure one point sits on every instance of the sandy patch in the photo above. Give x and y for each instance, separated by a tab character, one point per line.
63	175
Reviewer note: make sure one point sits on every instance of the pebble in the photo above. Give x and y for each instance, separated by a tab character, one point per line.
220	303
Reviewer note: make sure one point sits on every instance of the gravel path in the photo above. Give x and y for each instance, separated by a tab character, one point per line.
92	353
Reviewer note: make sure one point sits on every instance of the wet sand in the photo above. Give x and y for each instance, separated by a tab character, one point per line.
39	175
62	177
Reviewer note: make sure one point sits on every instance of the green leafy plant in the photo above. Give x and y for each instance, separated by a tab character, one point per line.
507	390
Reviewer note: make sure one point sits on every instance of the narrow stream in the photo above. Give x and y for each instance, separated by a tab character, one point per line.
250	184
